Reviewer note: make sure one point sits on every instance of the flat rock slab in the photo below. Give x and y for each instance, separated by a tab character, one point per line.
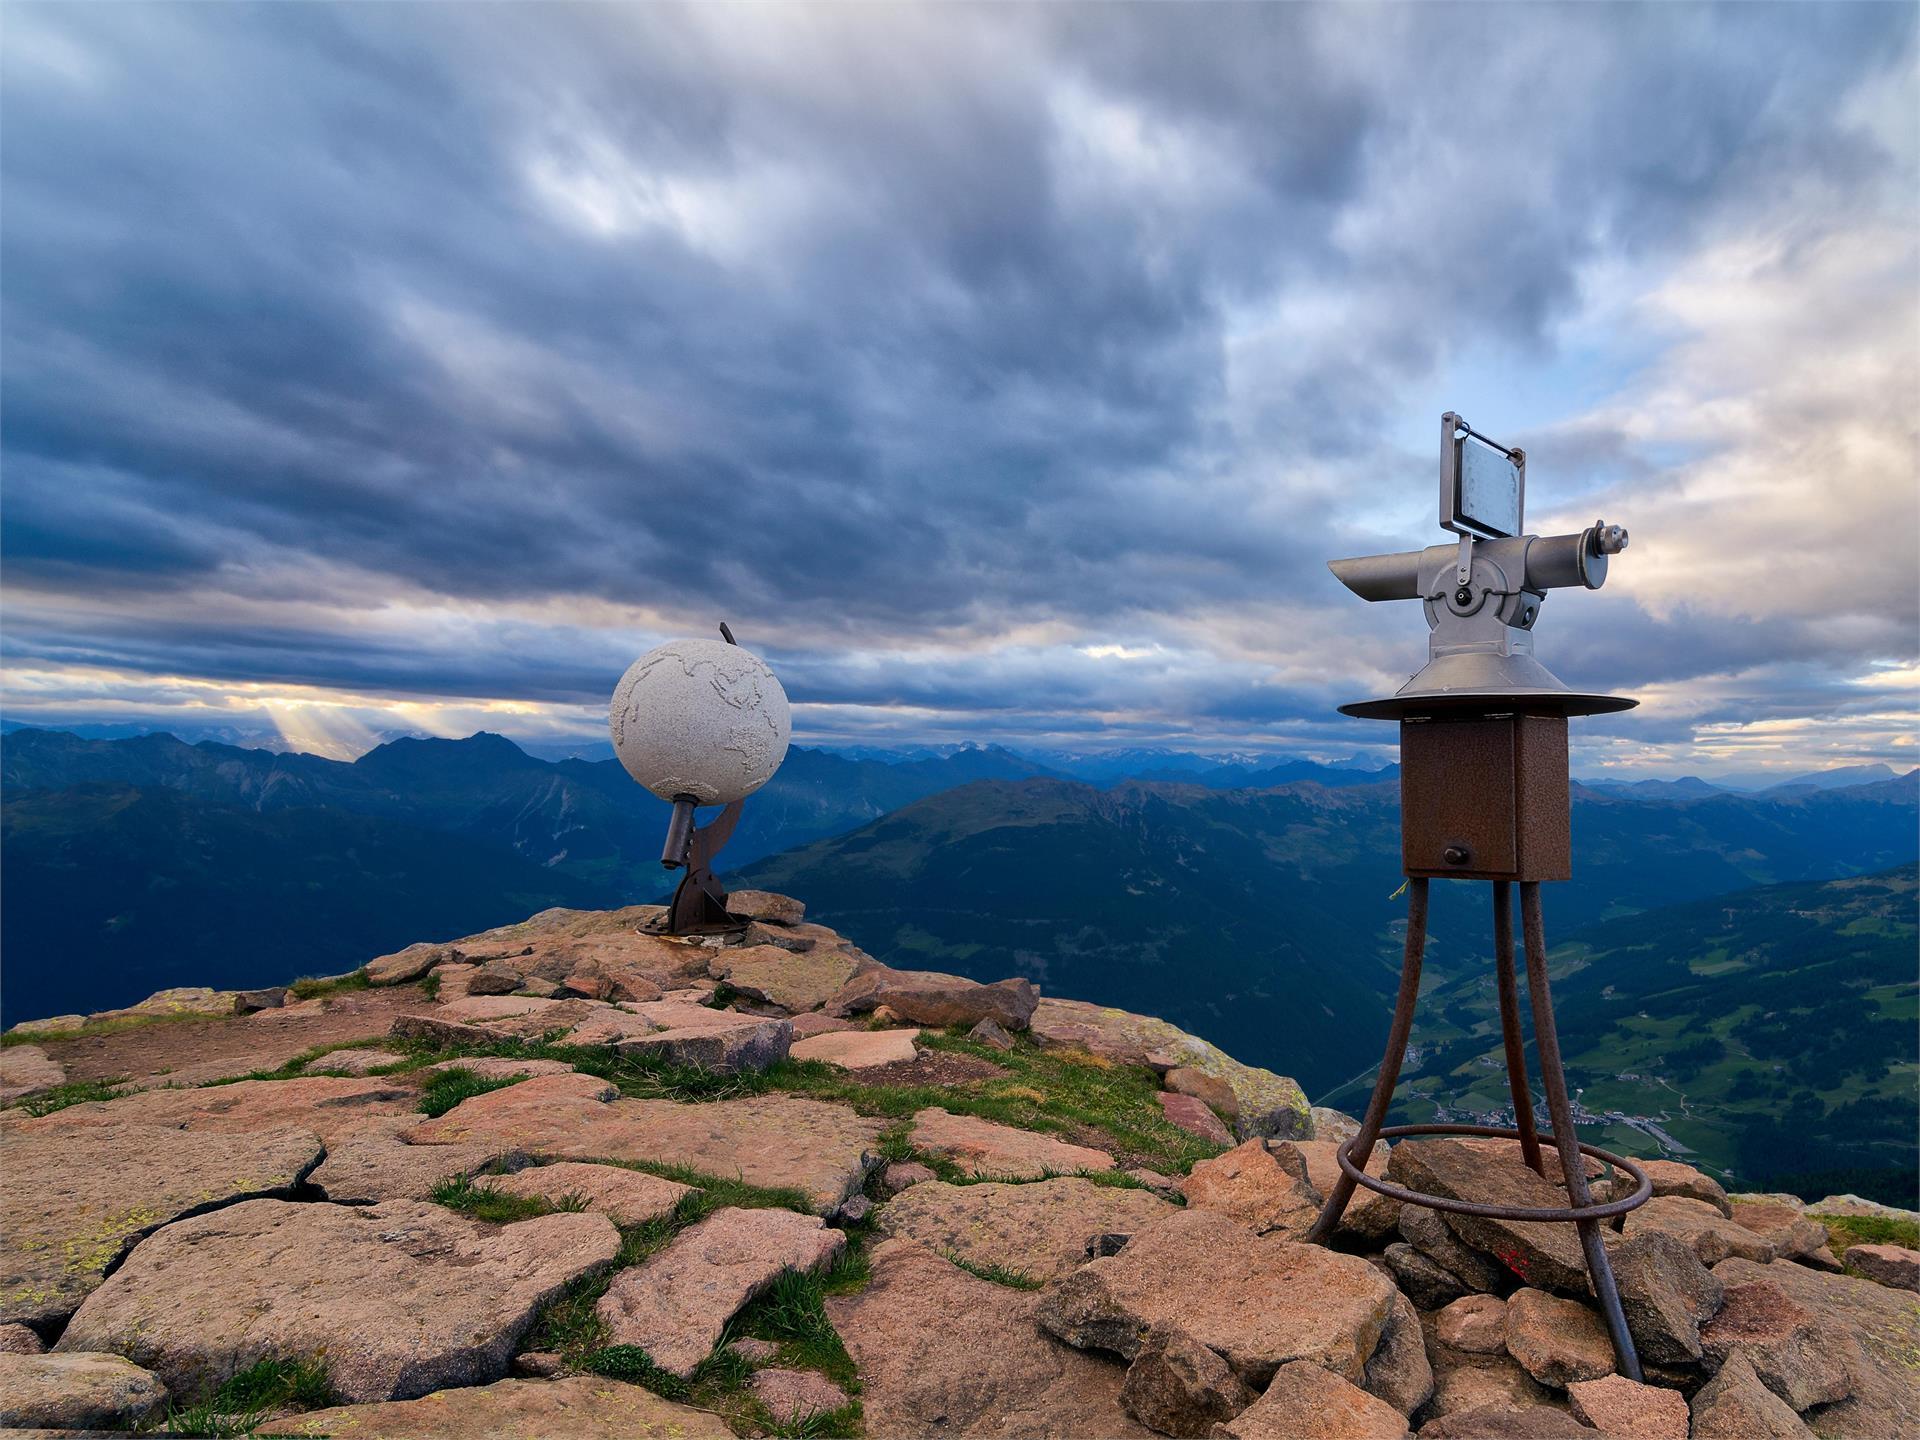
929	997
27	1068
1039	1230
858	1049
180	1000
766	905
1250	1184
813	1023
1617	1407
1734	1405
1710	1235
354	1062
1541	1253
373	1164
1464	1383
676	1305
409	964
1892	1265
792	1395
1803	1361
1886	1325
1259	1301
402	1298
1399	1372
941	1352
672	1030
1557	1341
504	1067
1666	1294
776	976
697	1035
1305	1402
1670	1177
626	1197
51	1027
73	1200
1191	1114
76	1392
1791	1233
324	1104
584	1407
1474	1323
557	943
822	1150
982	1147
1269	1104
1507	1422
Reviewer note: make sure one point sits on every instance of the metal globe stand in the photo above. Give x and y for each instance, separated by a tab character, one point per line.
699	904
1484	795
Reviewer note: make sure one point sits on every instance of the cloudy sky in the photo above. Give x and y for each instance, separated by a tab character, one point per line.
999	373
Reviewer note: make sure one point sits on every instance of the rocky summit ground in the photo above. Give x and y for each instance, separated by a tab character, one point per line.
572	1179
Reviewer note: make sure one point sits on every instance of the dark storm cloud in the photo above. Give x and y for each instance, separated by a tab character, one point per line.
870	329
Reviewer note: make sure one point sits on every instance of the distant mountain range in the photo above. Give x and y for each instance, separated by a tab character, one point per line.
137	862
98	834
1264	919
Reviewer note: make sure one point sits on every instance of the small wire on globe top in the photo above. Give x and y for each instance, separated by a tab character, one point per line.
700	722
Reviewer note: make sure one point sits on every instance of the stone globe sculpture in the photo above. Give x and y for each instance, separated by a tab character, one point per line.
700	722
700	718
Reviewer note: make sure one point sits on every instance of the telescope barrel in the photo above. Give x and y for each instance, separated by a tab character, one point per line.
1382	577
1556	562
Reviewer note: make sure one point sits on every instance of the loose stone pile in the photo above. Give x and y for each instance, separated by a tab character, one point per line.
157	1244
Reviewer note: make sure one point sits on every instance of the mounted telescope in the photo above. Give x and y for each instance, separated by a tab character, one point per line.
1482	596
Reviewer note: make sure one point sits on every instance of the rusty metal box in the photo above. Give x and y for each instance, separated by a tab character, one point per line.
1485	798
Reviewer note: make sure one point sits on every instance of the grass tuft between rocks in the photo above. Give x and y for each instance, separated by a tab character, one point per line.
310	987
485	1202
447	1088
1846	1231
73	1092
247	1398
998	1274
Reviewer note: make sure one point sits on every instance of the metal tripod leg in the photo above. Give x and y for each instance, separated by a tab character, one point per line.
1510	1024
1572	1163
1389	1076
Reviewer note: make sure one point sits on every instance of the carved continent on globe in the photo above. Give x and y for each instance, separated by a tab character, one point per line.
700	718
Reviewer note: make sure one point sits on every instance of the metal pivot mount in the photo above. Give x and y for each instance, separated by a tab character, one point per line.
1482	597
699	904
1484	796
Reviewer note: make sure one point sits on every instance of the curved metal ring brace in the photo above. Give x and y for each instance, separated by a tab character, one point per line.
1642	1192
1584	1213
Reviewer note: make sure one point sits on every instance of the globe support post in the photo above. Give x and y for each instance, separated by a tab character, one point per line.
699	904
